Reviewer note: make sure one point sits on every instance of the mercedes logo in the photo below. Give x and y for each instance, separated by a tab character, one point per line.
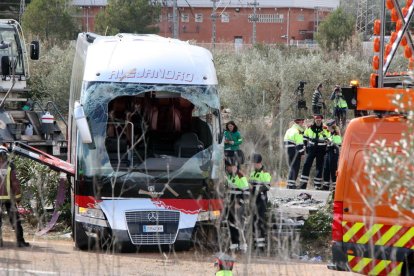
152	216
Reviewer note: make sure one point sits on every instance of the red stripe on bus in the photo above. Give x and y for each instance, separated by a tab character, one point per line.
85	201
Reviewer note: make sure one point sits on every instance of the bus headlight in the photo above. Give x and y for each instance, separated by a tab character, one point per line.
91	212
208	215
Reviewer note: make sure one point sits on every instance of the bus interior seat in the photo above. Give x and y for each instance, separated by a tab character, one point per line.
164	126
165	117
188	145
111	144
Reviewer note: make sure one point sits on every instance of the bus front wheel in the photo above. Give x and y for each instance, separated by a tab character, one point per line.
82	241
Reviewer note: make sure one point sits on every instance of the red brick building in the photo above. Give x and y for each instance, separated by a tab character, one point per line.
277	21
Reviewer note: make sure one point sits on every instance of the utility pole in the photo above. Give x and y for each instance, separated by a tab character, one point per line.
21	9
175	19
254	19
213	20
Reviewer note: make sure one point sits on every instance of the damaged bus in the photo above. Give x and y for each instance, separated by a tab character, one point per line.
146	141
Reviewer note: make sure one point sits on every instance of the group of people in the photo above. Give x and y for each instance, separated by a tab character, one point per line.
340	105
318	141
247	196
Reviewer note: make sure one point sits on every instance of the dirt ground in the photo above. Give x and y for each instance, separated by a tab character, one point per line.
55	254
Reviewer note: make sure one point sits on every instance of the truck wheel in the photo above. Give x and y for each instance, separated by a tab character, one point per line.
408	267
82	241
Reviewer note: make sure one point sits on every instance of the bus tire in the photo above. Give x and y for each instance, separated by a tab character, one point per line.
82	241
183	245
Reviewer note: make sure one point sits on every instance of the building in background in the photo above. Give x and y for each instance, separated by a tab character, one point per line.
89	9
239	22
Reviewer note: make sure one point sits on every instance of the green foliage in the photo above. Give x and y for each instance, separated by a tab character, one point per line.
39	189
335	31
50	20
128	16
261	82
50	76
317	225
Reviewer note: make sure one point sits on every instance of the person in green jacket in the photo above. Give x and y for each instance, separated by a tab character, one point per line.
238	191
293	142
332	156
260	182
340	106
232	142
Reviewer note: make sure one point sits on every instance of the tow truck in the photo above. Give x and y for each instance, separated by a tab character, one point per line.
369	234
21	118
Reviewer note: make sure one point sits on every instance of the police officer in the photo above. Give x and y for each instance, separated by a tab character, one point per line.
260	182
238	191
315	139
10	195
340	106
332	156
293	142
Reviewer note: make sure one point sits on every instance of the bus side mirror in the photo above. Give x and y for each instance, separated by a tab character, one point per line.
82	123
34	50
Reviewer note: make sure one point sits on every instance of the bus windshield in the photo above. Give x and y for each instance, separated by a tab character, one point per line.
146	130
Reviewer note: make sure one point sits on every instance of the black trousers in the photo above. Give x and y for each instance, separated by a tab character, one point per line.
259	216
340	116
330	167
14	218
236	217
318	153
316	109
294	158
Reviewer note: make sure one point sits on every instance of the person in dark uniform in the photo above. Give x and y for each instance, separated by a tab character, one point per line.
259	181
10	195
315	139
293	142
238	197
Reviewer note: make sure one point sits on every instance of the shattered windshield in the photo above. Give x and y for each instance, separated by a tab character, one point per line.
150	130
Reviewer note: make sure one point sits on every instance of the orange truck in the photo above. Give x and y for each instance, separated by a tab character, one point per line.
370	237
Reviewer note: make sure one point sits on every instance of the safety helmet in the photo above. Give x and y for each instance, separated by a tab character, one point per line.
257	158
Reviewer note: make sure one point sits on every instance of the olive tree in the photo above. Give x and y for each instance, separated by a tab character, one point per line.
50	20
128	16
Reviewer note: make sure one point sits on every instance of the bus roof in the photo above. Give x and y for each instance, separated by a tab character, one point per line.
148	59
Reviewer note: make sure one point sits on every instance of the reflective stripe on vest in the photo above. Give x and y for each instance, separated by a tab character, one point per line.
7	184
224	273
